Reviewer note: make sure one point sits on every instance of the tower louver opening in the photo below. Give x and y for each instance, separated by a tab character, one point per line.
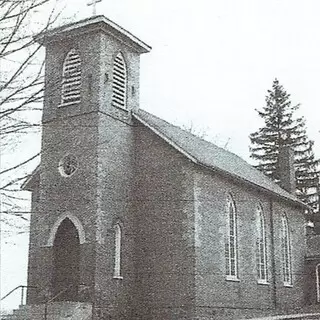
71	79
119	84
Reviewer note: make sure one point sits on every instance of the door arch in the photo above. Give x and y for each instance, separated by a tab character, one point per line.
66	262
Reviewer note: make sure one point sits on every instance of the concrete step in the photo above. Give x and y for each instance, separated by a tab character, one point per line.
299	316
66	310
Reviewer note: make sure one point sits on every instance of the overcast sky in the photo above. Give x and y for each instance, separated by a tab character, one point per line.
211	64
213	61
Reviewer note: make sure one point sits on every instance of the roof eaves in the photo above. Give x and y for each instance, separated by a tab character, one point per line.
236	177
42	37
29	179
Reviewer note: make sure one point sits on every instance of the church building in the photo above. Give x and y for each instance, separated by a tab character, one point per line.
134	218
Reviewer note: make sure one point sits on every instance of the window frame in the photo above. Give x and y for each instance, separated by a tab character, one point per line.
286	254
68	161
116	85
77	87
261	247
231	241
318	281
117	270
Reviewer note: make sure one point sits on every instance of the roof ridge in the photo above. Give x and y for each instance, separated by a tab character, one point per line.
200	138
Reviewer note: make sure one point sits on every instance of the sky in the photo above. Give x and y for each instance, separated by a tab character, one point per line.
211	64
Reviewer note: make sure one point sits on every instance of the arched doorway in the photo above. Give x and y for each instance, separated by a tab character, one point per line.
66	260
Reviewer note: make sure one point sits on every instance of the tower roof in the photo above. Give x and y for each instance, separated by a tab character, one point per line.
93	24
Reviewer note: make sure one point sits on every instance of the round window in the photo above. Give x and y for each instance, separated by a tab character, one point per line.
68	165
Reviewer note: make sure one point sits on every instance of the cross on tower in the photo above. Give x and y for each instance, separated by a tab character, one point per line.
93	3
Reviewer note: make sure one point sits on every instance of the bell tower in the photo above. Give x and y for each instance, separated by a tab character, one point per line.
82	225
91	65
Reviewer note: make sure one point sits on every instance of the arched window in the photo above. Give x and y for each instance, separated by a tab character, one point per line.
318	281
71	79
119	83
286	251
261	246
117	251
231	243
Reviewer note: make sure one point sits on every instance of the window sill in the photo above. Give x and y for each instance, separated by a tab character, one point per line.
263	282
67	104
121	108
232	278
118	277
288	285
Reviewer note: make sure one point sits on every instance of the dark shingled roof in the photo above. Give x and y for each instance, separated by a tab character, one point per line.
211	156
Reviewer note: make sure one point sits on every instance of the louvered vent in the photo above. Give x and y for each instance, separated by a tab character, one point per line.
119	84
71	79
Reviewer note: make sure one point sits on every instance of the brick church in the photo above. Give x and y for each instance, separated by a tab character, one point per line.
135	218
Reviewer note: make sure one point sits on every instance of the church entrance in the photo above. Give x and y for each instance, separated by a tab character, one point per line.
66	260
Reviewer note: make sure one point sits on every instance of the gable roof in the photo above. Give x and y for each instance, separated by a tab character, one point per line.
209	155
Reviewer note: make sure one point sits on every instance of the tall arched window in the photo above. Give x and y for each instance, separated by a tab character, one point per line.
231	243
119	83
71	79
261	246
318	281
117	251
286	251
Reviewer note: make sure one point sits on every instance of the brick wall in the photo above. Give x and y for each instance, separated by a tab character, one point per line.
164	230
246	295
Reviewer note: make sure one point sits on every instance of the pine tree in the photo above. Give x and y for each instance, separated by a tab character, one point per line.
283	128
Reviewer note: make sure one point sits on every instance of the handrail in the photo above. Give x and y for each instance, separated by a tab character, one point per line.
34	287
53	298
59	293
16	288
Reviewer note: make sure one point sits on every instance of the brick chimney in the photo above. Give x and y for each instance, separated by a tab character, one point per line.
286	169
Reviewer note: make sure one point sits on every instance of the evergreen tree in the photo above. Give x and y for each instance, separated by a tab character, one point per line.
283	128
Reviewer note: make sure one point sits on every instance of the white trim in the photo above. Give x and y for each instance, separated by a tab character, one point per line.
286	248
291	316
157	132
232	278
263	282
288	285
61	166
261	231
231	204
318	282
56	225
117	251
65	104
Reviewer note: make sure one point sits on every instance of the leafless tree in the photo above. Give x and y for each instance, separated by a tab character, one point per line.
21	92
204	134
